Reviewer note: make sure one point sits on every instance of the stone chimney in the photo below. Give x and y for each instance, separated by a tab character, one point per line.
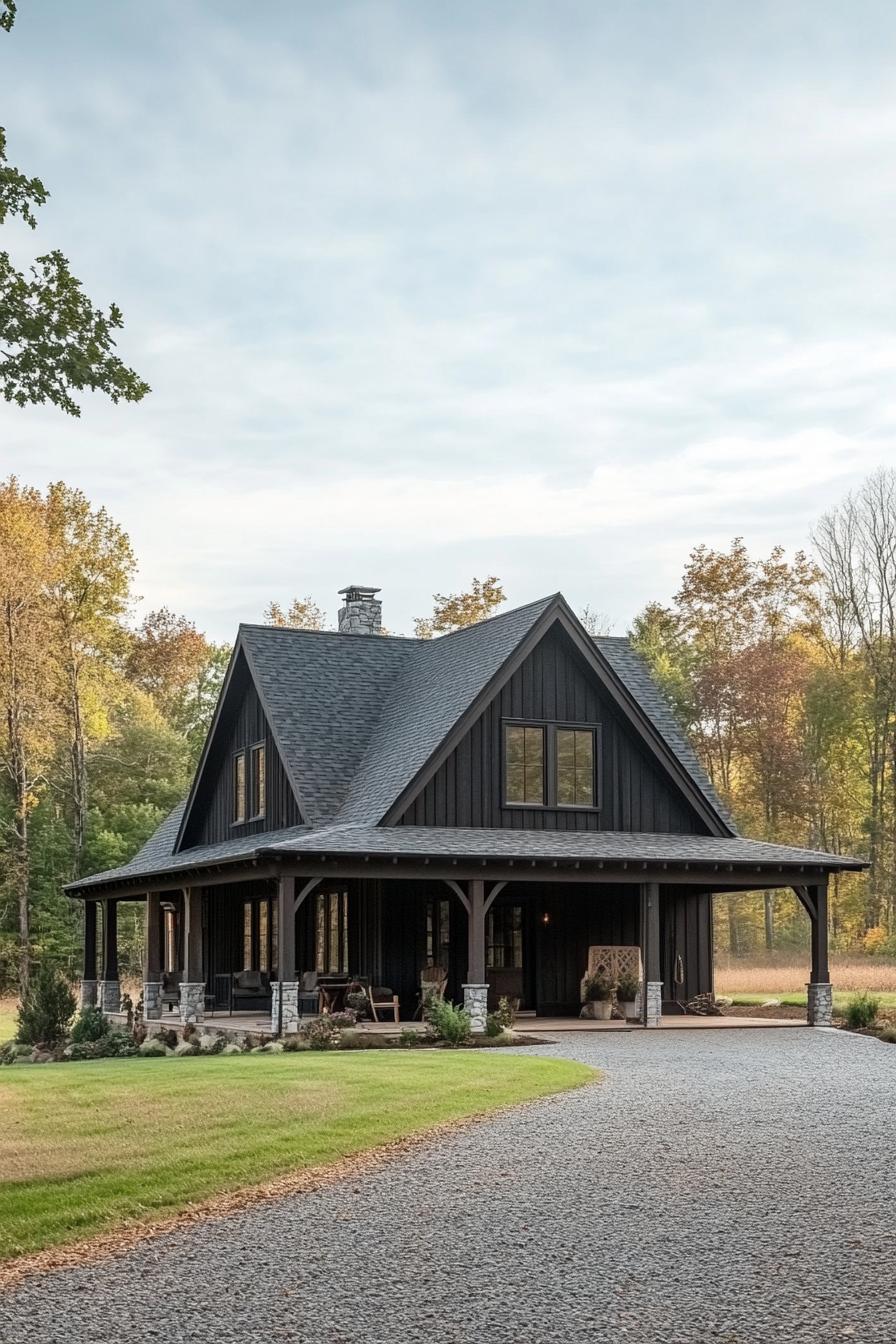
361	612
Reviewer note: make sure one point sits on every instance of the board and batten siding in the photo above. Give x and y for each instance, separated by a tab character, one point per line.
553	684
242	725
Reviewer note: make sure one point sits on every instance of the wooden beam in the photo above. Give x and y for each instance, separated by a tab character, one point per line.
193	972
110	940
300	896
459	893
496	889
90	940
152	967
476	933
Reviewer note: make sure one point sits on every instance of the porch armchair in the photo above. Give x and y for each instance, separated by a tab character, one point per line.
433	983
309	994
251	989
382	998
170	990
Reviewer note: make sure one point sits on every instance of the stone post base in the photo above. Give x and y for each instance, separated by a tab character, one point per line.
109	995
819	1005
288	990
87	998
192	1001
152	1000
654	1002
476	1004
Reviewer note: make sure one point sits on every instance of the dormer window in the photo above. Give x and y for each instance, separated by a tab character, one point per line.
239	788
550	765
257	780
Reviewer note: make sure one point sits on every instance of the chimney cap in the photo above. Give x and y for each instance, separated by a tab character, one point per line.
359	590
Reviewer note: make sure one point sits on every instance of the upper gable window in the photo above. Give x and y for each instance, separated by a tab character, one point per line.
550	765
524	764
239	788
575	767
258	780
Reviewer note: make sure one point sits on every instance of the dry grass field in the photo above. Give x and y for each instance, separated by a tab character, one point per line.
790	976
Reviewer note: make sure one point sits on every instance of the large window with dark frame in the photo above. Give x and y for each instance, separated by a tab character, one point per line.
260	935
438	933
257	774
549	764
239	788
504	937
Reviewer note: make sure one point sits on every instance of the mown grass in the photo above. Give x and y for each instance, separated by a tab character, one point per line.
88	1147
799	1000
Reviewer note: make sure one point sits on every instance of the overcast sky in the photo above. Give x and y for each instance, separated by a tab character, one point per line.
552	291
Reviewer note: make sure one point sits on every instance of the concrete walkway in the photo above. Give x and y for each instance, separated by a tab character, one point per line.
733	1186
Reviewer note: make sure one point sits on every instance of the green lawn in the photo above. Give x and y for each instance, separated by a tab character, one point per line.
799	1000
87	1147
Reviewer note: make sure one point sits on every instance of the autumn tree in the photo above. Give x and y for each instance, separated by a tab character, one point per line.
87	597
303	613
25	689
171	661
53	341
454	610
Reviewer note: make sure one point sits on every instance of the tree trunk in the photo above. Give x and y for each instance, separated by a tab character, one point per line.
78	767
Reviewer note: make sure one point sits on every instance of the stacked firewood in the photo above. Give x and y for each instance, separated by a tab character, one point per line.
703	1005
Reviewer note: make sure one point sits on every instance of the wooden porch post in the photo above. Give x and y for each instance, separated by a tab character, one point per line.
108	989
286	928
652	984
152	970
819	995
476	932
88	979
192	987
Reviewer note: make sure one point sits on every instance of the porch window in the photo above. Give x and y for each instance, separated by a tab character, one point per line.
438	933
575	767
170	939
264	944
524	764
504	937
257	779
248	940
331	932
259	935
239	788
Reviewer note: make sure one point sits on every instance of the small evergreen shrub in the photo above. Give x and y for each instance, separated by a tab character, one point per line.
90	1024
493	1025
447	1022
861	1010
627	989
506	1011
598	988
408	1037
47	1008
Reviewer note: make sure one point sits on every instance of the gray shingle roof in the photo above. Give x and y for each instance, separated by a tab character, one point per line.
435	842
356	719
632	670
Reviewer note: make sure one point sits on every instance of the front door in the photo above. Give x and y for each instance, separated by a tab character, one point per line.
507	943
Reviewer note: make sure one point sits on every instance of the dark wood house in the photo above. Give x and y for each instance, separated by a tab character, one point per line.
497	801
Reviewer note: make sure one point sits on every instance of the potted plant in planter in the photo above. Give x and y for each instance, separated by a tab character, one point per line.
627	995
598	995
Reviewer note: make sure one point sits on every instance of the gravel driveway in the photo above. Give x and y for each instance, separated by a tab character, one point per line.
720	1186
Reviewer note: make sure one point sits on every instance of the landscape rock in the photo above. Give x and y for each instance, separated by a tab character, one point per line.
232	1049
186	1048
153	1048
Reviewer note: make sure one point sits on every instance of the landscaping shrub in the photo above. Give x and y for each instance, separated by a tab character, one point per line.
506	1011
627	989
114	1044
348	1019
321	1034
90	1024
493	1025
356	1001
408	1037
889	1035
861	1010
47	1008
598	988
447	1022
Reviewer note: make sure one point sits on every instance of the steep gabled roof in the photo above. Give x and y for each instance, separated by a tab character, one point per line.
440	682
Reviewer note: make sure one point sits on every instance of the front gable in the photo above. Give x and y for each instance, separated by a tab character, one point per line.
556	684
240	725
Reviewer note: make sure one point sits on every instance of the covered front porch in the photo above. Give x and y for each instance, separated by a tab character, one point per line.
253	953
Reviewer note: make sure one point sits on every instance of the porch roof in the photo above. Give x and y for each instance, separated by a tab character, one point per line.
423	844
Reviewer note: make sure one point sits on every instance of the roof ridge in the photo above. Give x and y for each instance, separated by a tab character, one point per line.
498	616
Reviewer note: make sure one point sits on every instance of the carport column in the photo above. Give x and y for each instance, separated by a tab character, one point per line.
819	995
108	989
88	979
652	998
476	990
192	987
152	971
285	990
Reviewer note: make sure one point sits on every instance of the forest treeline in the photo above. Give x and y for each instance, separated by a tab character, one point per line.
781	669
